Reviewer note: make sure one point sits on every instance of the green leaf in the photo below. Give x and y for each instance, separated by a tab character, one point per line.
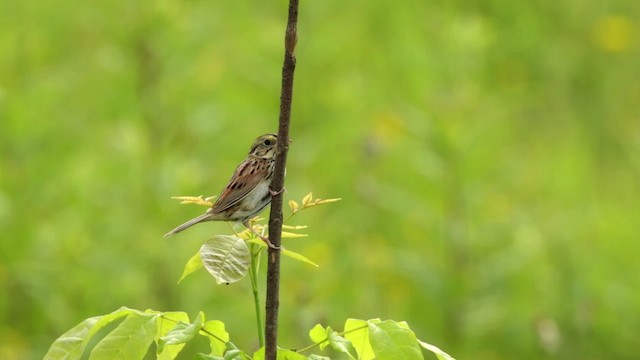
318	334
226	258
233	353
72	343
436	350
167	322
181	333
317	357
327	337
283	354
341	344
392	340
357	331
201	356
218	336
258	355
129	340
289	355
191	266
296	256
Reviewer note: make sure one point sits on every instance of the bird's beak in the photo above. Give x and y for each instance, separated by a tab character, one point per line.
290	141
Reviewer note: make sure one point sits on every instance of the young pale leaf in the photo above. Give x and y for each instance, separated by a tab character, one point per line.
341	344
218	336
182	333
129	340
296	256
357	331
286	234
318	334
226	258
307	199
293	205
192	265
436	350
392	340
294	227
72	343
325	201
198	200
167	322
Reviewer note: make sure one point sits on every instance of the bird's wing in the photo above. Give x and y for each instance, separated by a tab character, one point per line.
246	177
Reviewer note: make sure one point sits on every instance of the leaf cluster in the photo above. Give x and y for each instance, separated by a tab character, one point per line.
168	333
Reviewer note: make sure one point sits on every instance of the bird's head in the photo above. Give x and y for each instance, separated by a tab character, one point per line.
265	146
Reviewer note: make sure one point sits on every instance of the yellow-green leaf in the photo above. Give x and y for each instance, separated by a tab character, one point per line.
167	322
391	340
436	350
357	331
72	343
318	334
182	333
132	337
192	265
218	336
296	256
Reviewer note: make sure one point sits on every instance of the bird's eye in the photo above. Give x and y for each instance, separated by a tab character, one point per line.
267	142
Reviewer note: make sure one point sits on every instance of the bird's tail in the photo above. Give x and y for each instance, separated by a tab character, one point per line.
204	217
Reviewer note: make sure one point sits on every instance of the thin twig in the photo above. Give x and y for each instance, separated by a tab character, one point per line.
277	185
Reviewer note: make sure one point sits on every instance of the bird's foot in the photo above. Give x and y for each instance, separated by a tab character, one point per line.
265	239
274	193
269	243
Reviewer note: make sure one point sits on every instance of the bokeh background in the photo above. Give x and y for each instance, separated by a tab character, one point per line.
487	154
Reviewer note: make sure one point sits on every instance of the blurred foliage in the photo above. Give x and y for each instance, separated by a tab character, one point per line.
488	155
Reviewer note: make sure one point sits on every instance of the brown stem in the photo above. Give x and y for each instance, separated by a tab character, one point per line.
275	219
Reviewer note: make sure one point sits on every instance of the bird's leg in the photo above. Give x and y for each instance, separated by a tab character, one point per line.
266	240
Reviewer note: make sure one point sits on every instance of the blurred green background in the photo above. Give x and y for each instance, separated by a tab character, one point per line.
487	154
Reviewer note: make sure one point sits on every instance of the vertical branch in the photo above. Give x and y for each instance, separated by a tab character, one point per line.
277	184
